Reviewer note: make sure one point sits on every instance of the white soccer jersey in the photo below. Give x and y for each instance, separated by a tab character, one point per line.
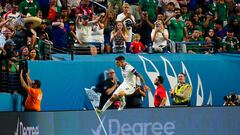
128	75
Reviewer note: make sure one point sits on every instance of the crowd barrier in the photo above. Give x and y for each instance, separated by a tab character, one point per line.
150	121
64	82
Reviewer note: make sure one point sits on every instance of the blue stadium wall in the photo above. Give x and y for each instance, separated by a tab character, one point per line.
64	82
149	121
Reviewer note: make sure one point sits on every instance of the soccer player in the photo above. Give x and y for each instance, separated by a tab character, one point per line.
128	86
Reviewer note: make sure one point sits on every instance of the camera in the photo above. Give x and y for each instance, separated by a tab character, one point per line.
232	99
128	24
145	14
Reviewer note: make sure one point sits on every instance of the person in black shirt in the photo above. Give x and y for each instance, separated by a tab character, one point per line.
106	88
135	100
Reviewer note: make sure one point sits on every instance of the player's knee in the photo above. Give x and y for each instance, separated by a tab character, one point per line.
121	94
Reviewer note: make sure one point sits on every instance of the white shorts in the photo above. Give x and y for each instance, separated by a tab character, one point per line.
128	89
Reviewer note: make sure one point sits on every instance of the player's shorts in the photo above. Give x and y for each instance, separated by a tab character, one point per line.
128	89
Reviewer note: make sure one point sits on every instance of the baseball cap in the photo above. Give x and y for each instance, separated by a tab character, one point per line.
85	17
71	22
10	42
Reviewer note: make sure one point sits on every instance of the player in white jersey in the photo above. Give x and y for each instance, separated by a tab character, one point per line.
128	85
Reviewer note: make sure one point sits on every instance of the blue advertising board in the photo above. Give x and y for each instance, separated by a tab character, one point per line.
63	82
148	121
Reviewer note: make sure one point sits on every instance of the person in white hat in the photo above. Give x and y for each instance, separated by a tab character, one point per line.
31	23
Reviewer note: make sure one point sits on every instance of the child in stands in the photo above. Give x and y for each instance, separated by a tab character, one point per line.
137	46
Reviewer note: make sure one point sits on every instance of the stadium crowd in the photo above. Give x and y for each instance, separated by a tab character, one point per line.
133	26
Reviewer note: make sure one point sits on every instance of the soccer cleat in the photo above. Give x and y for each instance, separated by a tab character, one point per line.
123	103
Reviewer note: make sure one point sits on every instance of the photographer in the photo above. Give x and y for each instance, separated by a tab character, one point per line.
128	21
159	37
231	100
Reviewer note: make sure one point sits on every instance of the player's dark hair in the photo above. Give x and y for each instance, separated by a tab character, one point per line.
160	79
119	58
183	74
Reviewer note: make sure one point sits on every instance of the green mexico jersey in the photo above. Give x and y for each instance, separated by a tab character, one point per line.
231	44
176	29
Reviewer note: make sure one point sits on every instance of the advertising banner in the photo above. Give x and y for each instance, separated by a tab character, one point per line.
148	121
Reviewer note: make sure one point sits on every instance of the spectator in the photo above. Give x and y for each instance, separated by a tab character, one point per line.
33	102
222	10
208	22
230	43
144	28
84	32
97	31
159	37
195	48
177	28
150	6
109	23
59	33
73	3
29	7
45	29
44	6
106	88
134	8
128	21
24	53
31	23
137	46
21	36
190	28
170	10
211	34
115	6
182	92
135	100
42	45
160	97
185	13
234	25
33	55
209	46
13	14
6	33
54	10
85	8
72	35
220	31
119	36
65	14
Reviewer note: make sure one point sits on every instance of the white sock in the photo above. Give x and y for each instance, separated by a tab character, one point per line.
106	105
122	99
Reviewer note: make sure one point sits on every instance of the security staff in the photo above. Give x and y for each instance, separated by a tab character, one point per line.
182	92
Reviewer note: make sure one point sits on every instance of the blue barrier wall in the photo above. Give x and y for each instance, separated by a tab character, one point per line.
151	121
10	102
63	82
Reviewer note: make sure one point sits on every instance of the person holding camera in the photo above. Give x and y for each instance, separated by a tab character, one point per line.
159	37
128	21
119	37
33	102
182	92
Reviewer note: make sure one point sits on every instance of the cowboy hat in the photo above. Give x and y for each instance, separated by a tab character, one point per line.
35	20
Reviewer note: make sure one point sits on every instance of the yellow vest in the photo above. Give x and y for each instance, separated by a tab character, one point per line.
181	90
